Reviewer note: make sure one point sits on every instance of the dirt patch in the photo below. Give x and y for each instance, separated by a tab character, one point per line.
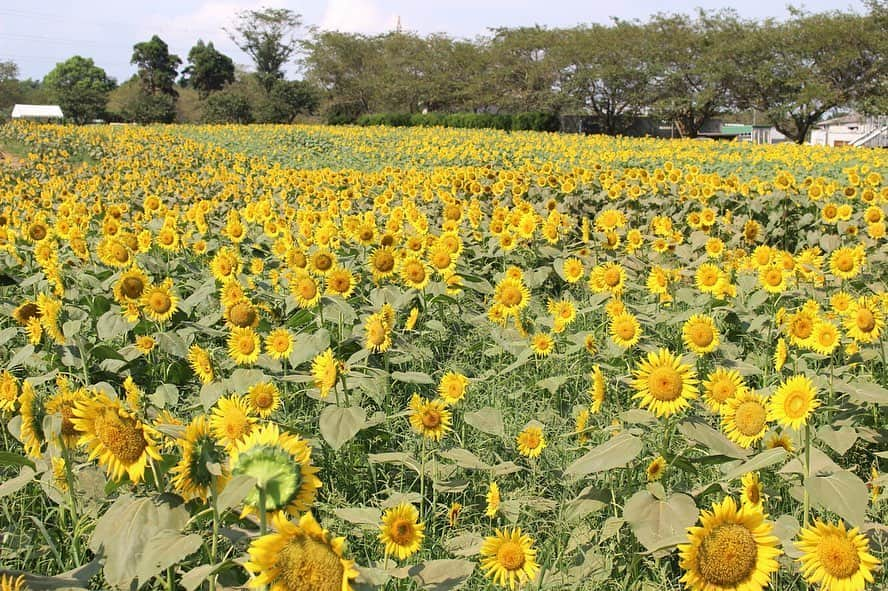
10	160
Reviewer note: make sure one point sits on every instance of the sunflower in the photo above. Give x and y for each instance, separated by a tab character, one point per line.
846	262
321	262
9	392
241	314
401	531
699	334
305	289
279	343
773	278
508	558
781	440
492	499
244	346
299	557
325	369
50	308
745	418
664	384
122	444
542	344
414	272
192	477
130	286
731	550
10	583
429	418
452	387
625	330
780	354
412	317
720	386
62	403
825	338
582	421
609	277
158	301
572	269
231	420
793	402
145	344
32	411
201	363
531	441
751	495
598	389
382	263
264	398
341	282
511	295
835	558
377	334
656	468
281	464
25	312
864	320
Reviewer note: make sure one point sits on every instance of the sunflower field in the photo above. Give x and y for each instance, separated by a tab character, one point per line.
307	358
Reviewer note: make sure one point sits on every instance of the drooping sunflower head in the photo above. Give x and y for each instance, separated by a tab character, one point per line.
401	532
281	464
835	558
32	411
25	312
192	477
62	403
731	549
664	384
325	370
299	556
201	363
377	334
493	500
508	558
598	389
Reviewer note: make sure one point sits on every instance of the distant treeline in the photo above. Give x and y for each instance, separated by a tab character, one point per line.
681	69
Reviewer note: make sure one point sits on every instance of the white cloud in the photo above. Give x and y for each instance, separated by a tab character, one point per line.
357	16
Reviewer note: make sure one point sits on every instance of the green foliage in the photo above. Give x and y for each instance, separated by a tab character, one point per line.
227	106
517	122
267	36
157	67
208	70
80	87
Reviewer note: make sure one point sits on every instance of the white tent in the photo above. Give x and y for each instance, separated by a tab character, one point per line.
37	112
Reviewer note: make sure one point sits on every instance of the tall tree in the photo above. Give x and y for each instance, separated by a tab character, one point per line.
690	83
268	36
80	87
157	66
340	65
208	70
521	73
605	72
797	72
10	89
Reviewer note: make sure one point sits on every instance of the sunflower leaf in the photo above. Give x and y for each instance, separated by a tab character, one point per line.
614	453
841	492
339	425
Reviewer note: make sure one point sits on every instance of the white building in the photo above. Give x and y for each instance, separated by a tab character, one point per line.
851	130
37	112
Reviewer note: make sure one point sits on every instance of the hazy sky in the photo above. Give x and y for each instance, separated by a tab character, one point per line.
38	35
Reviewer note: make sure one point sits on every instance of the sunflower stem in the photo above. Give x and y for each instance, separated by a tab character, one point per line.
263	524
807	500
171	579
214	544
69	479
344	387
422	480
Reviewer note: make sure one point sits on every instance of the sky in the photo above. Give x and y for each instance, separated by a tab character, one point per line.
37	36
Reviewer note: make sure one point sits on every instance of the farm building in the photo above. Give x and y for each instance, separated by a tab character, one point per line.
852	130
37	112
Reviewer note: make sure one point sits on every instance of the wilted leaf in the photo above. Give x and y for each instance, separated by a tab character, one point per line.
13	485
613	453
412	377
487	420
338	425
397	458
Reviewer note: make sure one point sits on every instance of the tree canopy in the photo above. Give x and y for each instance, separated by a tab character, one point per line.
80	87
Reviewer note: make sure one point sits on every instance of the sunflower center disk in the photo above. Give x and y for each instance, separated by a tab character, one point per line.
160	303
727	555
795	405
275	470
305	564
665	384
121	436
839	557
750	418
866	321
431	419
701	335
510	556
402	532
721	391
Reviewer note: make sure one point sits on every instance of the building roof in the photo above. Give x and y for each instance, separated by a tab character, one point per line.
842	120
47	111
